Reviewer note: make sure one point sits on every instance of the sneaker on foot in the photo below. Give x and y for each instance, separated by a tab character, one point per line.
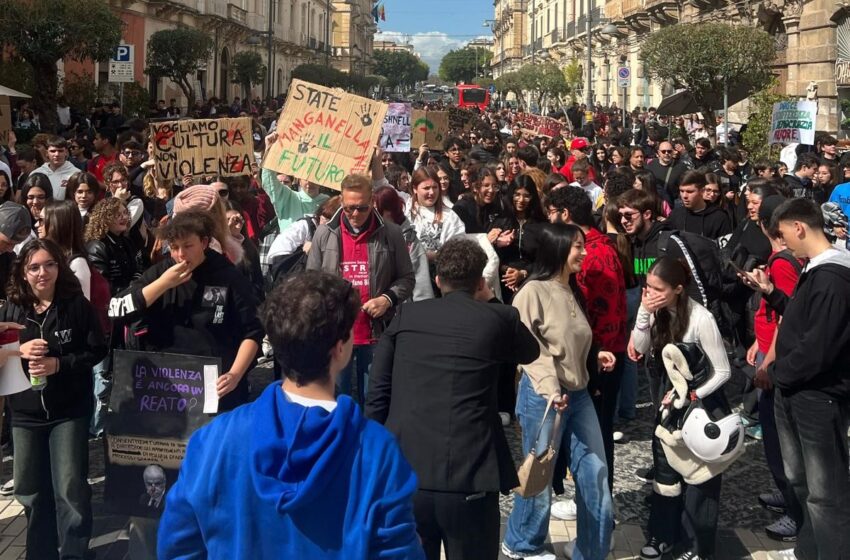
542	555
646	474
506	418
786	554
565	510
784	530
8	488
754	432
773	501
654	549
620	437
570	548
688	555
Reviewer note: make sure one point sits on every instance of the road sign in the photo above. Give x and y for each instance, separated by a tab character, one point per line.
121	65
624	76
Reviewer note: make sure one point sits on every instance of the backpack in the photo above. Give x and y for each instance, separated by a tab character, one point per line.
703	257
290	264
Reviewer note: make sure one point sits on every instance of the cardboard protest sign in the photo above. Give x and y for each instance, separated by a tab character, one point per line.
158	400
395	134
793	122
202	147
429	127
325	134
540	125
5	117
461	119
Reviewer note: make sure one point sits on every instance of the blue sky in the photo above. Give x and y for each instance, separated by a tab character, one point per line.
435	26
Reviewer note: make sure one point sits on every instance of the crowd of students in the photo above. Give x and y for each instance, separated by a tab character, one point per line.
614	256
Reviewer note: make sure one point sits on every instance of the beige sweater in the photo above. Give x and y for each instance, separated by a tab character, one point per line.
545	308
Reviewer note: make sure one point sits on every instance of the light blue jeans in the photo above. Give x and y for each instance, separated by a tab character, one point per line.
528	523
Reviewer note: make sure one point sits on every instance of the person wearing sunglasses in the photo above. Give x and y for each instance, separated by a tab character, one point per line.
370	253
667	172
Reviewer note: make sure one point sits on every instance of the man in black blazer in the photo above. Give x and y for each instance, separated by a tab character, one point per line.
435	374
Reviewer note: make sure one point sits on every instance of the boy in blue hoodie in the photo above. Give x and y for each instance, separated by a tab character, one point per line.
298	473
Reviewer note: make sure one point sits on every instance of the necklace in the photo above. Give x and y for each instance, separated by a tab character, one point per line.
571	303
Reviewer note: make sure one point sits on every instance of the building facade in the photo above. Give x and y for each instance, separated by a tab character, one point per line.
286	33
392	46
510	35
353	36
812	39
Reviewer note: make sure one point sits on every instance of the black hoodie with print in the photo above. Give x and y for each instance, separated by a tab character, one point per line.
711	222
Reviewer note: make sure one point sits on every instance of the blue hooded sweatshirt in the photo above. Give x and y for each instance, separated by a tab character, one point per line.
275	479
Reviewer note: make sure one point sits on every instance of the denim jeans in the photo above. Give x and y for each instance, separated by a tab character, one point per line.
361	361
812	431
528	523
50	470
102	389
629	382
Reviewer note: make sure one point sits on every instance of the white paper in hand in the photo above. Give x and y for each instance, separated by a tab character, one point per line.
210	393
12	377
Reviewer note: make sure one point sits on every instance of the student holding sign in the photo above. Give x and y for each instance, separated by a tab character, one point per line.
195	302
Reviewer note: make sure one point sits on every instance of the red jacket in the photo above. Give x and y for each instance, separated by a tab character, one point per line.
567	170
603	285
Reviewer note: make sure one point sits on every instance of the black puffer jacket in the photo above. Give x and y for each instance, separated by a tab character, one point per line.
72	330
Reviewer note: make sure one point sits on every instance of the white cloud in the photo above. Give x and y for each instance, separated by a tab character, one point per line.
430	46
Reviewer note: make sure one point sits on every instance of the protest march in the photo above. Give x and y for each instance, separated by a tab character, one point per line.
348	321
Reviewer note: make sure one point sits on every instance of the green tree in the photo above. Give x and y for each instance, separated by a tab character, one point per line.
701	57
43	32
80	91
248	70
755	137
463	65
321	75
573	76
178	54
401	69
512	82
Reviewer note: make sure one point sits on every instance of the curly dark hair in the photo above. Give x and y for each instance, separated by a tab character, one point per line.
305	316
102	215
460	265
18	290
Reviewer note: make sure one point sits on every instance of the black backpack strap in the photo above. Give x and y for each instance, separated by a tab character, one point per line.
786	255
311	225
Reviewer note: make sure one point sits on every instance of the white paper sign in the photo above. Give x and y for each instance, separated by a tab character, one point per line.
12	377
210	393
395	134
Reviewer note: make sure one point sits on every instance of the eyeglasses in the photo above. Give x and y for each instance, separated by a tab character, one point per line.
665	151
628	216
132	153
122	181
48	267
352	209
551	210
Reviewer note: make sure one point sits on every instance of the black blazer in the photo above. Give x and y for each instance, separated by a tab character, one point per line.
433	384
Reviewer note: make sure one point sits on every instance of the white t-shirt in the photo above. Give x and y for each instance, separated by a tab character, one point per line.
431	233
330	406
81	270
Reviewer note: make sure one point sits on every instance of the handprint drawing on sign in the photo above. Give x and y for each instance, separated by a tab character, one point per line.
304	143
364	114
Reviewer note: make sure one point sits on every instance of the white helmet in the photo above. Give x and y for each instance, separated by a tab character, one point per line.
712	441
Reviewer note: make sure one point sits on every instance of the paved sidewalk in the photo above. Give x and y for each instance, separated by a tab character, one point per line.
741	519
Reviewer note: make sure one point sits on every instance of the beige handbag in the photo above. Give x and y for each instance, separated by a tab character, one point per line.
535	473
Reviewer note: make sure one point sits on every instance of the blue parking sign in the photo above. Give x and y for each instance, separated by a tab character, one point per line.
123	53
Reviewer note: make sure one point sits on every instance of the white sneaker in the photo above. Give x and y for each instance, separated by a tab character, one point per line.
785	554
506	418
8	488
619	437
516	556
565	510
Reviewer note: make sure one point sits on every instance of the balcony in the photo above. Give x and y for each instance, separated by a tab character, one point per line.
216	8
663	12
237	14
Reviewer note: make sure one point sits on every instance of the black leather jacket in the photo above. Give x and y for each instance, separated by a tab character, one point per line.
114	257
